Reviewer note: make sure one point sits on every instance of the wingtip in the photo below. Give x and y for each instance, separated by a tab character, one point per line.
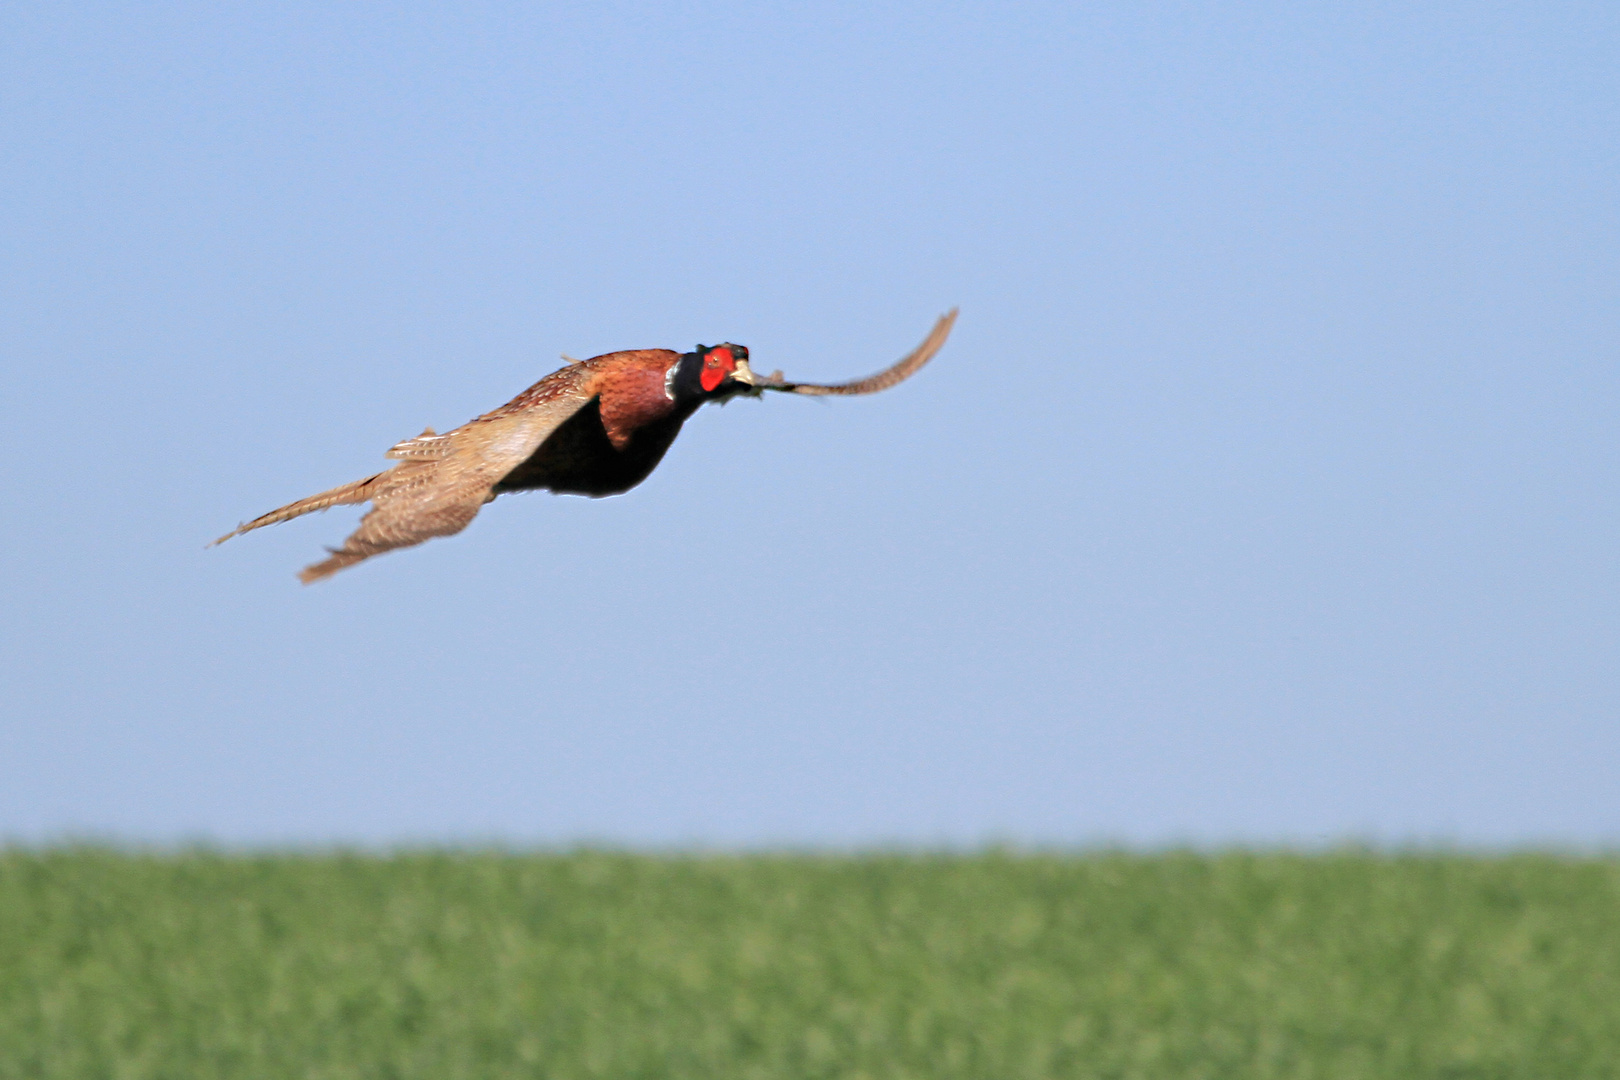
339	559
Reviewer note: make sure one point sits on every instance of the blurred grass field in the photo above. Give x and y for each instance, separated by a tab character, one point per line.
479	965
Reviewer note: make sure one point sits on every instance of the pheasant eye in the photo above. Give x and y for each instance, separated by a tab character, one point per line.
716	366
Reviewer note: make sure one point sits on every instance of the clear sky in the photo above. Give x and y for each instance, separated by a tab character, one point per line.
1268	491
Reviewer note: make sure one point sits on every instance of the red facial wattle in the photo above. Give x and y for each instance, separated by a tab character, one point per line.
716	366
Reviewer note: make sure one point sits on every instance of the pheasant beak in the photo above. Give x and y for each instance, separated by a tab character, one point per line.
745	374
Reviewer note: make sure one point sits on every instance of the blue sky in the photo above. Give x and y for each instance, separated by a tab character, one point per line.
1266	493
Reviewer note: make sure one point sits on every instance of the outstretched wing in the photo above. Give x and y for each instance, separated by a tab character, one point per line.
415	502
441	481
908	366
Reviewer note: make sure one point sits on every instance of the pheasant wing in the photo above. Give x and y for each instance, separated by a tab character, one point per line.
441	481
402	516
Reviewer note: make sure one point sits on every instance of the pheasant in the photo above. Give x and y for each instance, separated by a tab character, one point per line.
595	427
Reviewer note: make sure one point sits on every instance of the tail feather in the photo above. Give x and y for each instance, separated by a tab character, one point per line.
345	495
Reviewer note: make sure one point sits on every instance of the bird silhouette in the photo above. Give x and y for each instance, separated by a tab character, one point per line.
596	427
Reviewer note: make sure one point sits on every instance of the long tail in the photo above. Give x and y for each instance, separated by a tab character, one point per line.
346	495
899	372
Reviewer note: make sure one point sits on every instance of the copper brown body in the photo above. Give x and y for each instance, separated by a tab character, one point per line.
596	427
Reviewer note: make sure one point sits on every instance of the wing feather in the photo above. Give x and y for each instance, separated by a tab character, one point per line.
441	481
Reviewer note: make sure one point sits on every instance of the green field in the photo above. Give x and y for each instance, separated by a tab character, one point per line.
446	965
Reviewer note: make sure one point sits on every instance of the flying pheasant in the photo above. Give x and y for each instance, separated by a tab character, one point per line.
596	427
